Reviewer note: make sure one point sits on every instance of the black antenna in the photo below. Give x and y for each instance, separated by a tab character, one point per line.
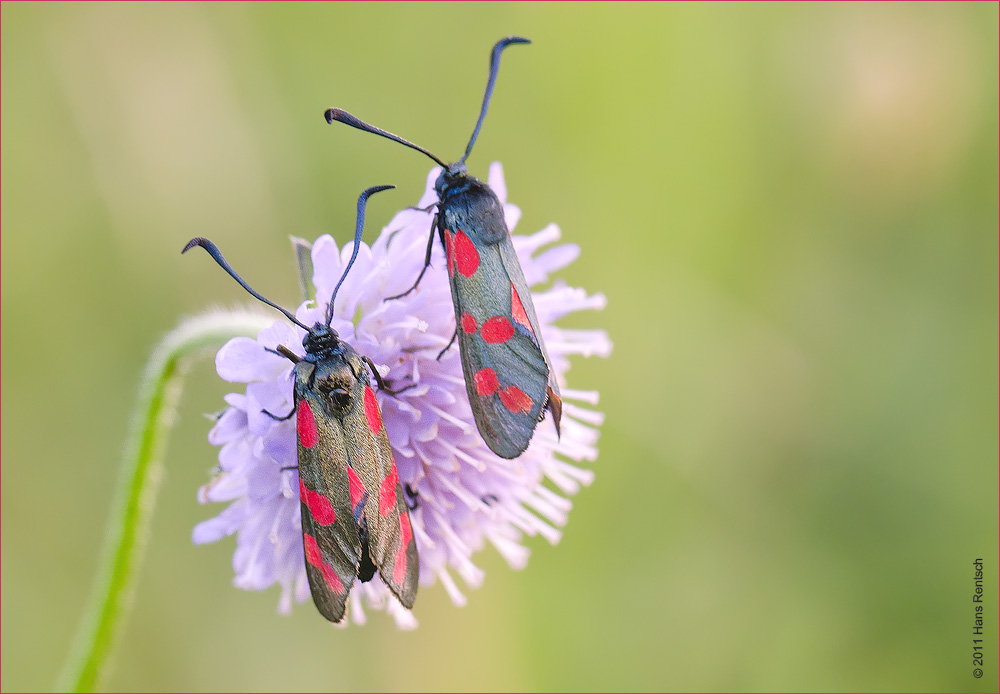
216	254
336	114
494	68
359	227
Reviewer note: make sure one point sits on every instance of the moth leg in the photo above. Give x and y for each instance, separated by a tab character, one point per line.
283	351
450	343
277	418
290	467
427	261
381	383
424	209
412	494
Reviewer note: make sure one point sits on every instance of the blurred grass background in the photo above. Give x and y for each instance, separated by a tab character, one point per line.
792	210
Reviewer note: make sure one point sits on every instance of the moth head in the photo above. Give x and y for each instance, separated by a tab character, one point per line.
321	340
450	177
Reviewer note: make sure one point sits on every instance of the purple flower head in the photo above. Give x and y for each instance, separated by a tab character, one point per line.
467	494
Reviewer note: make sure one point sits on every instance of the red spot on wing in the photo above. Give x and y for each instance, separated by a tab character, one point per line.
449	249
517	309
319	506
371	411
515	399
405	535
387	493
469	326
405	531
496	330
466	255
315	557
305	423
486	381
357	487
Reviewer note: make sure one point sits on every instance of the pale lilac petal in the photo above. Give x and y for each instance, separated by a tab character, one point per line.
268	397
226	523
243	360
223	488
326	262
430	197
557	258
511	215
529	245
237	400
228	427
279	334
280	446
497	182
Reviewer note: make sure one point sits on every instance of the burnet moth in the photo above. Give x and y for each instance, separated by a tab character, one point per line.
354	512
507	370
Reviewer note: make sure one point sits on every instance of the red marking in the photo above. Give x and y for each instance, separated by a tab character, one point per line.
496	330
358	490
515	399
405	535
319	506
466	255
315	557
306	425
517	309
469	326
371	411
387	494
486	381
449	250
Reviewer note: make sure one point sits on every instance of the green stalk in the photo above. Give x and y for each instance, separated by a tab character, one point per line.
88	665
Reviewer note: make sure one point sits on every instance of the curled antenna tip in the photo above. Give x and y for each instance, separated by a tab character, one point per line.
196	241
377	189
339	114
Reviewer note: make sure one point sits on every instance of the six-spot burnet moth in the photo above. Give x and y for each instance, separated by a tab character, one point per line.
354	513
507	370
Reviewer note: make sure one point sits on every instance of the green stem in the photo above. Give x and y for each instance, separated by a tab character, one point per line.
142	469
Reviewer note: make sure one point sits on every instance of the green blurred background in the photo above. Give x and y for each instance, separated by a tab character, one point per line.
792	210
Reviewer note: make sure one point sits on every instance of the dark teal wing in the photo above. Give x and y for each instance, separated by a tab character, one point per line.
329	529
506	371
391	544
524	313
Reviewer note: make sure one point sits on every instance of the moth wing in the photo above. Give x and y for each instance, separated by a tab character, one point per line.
391	544
524	307
329	530
506	371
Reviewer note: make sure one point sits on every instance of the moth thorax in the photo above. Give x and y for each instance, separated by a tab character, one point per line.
321	341
334	387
